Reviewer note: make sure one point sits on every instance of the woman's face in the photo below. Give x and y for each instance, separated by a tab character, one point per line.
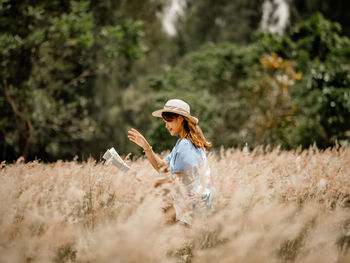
175	126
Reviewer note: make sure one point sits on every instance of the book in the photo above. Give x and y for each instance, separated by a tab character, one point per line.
112	156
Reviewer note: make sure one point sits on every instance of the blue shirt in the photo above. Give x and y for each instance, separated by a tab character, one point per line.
189	160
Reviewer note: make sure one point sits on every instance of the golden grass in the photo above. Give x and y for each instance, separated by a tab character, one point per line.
273	206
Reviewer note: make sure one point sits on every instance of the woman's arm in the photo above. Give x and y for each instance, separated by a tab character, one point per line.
152	157
168	180
155	160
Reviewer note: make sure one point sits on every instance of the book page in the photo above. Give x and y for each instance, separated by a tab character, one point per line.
111	155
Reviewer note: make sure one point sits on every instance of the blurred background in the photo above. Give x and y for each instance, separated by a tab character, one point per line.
76	75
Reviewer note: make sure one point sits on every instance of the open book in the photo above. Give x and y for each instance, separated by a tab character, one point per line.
111	156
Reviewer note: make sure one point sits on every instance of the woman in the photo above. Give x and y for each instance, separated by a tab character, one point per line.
187	160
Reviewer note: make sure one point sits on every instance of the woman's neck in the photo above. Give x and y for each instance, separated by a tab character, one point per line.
183	134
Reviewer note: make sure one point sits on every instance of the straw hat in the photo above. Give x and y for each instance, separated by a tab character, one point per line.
176	106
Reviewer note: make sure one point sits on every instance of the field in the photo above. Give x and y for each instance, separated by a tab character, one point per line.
269	206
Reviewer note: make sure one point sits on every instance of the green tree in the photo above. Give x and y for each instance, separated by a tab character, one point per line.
215	81
322	96
334	10
123	97
289	91
217	21
48	58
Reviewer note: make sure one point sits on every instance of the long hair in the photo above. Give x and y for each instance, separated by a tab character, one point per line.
190	130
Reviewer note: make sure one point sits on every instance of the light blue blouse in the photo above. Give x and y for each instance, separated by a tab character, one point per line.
192	162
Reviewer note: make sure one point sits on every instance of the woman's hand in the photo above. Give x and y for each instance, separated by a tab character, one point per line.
161	182
138	138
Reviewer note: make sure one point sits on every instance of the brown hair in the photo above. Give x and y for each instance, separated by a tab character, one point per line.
190	130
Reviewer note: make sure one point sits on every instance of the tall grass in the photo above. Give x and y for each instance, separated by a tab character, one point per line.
269	206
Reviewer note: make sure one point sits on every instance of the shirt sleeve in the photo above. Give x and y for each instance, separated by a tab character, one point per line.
168	158
184	158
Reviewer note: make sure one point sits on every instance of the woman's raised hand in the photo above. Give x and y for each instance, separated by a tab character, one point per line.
138	138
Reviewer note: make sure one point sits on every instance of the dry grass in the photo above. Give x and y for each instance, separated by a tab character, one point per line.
269	207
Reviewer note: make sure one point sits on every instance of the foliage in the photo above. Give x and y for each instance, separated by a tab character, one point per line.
47	59
217	21
334	10
321	97
223	70
289	91
271	115
76	75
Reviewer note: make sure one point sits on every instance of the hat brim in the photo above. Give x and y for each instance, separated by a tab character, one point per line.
158	113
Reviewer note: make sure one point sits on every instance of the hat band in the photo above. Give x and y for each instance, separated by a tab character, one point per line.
175	108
